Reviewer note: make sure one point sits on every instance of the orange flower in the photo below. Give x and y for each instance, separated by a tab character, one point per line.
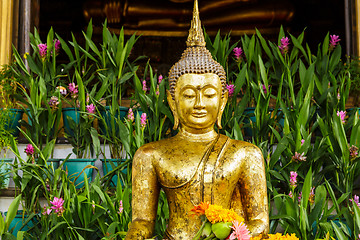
216	213
200	209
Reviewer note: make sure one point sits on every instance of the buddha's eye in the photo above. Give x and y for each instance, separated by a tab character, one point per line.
189	93
210	92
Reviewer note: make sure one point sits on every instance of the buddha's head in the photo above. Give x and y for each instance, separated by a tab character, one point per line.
197	83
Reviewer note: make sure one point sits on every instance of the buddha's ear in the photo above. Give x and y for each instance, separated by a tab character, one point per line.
171	102
223	102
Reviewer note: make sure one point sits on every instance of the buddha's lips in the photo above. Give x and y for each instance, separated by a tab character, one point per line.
199	114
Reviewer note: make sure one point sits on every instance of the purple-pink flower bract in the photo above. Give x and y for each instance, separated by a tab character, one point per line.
144	85
47	210
160	78
355	200
298	157
284	47
57	205
57	45
29	150
90	108
73	90
53	102
231	89
342	115
143	120
238	52
334	39
42	50
121	209
130	115
293	176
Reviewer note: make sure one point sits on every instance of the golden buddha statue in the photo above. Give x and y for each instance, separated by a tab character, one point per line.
198	164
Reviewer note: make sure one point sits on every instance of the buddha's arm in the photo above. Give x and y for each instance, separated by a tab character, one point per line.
254	191
145	194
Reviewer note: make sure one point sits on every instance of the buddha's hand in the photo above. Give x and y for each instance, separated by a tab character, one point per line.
257	227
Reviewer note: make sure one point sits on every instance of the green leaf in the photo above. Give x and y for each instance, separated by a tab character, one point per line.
95	140
339	234
298	45
325	46
356	215
2	225
12	212
306	189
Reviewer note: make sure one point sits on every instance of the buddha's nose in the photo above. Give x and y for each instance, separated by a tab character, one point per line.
199	102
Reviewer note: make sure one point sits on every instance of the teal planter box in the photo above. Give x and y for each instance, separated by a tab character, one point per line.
15	115
77	166
108	120
18	224
250	116
110	164
5	169
54	162
70	114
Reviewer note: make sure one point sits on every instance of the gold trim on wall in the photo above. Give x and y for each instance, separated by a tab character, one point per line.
6	30
357	26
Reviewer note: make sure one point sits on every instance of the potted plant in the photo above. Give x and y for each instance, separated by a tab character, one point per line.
8	90
41	91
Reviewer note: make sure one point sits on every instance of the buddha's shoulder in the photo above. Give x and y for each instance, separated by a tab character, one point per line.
157	146
243	148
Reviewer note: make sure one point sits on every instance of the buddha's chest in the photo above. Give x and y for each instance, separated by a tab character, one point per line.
199	176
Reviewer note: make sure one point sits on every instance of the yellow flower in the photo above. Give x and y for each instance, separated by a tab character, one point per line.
216	213
26	54
276	236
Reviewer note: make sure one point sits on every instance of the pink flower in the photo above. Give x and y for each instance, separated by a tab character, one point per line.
143	120
73	90
144	85
293	181
299	197
290	194
264	88
342	115
130	115
298	157
42	50
302	141
29	150
57	205
334	39
57	45
160	78
284	47
90	108
47	210
120	207
53	102
240	231
238	52
231	89
355	200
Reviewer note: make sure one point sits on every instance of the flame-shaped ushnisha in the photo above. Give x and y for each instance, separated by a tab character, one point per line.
196	58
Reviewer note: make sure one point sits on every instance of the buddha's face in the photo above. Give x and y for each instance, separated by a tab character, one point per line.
198	101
